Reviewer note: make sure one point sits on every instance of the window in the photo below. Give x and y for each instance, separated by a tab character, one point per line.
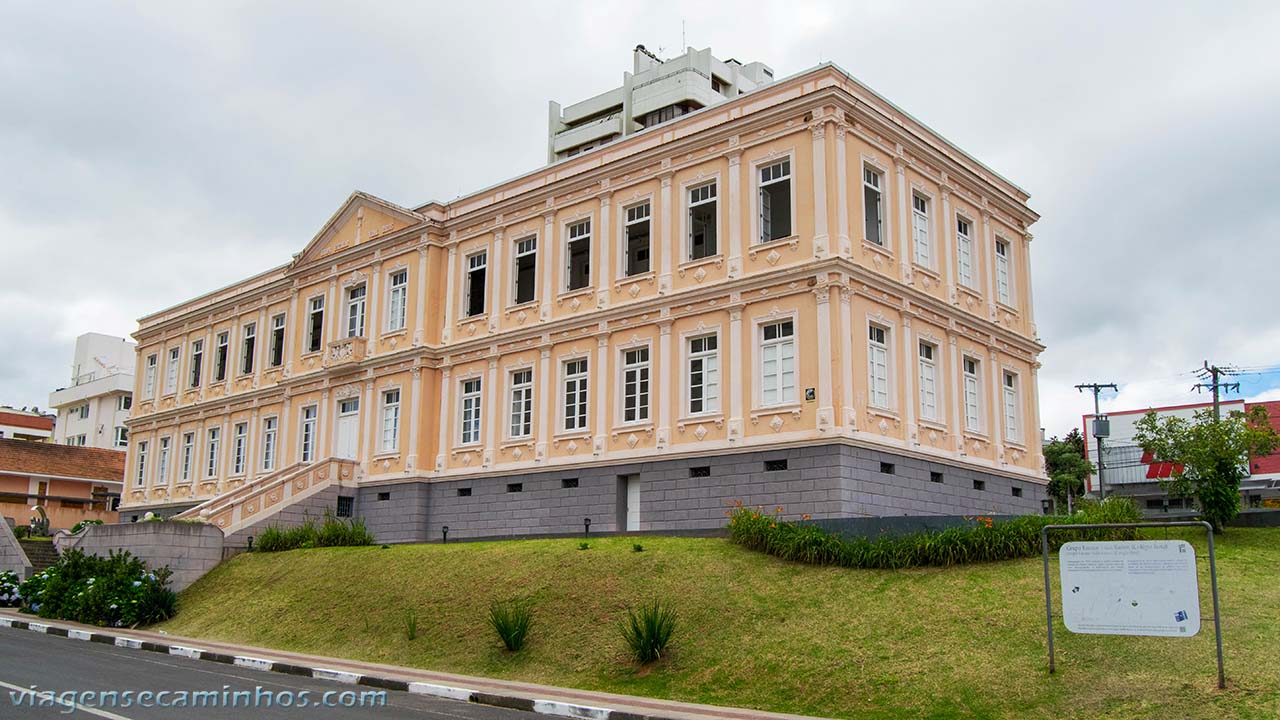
171	371
775	465
471	411
702	221
277	340
935	476
1017	491
397	300
162	463
521	403
635	385
391	420
778	363
775	201
464	492
140	478
211	454
872	209
878	367
308	449
578	251
887	468
477	269
704	375
122	437
315	324
124	402
149	377
81	411
964	252
346	506
188	456
355	311
220	356
569	483
972	395
1012	417
247	347
239	441
636	236
515	487
928	383
270	426
526	270
197	360
700	471
669	112
575	394
1003	293
979	484
78	440
920	230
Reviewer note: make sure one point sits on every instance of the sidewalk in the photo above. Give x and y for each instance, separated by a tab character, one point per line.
542	699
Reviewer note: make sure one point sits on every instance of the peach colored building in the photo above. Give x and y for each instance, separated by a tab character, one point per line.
70	483
799	295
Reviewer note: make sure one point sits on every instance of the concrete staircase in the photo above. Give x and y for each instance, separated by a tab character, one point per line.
262	500
40	553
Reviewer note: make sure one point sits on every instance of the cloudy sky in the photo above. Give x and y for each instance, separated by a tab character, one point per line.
152	151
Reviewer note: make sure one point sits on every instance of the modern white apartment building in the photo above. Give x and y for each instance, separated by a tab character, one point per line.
93	408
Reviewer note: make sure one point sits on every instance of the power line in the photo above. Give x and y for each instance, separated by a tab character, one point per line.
1212	373
1101	427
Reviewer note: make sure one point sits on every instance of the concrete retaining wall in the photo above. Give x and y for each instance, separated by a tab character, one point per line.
313	507
12	558
189	549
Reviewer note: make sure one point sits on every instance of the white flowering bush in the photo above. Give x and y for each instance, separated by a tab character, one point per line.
9	596
115	591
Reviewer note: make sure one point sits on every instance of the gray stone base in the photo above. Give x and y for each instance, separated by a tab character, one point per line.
825	481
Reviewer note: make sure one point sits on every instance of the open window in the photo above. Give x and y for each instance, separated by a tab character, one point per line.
525	270
477	276
702	221
636	236
578	251
775	201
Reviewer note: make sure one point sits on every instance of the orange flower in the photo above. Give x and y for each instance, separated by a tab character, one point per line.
804	516
778	509
773	526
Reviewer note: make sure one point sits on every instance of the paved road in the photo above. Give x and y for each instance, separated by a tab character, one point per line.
60	664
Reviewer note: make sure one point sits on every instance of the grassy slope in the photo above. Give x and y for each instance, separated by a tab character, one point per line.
755	631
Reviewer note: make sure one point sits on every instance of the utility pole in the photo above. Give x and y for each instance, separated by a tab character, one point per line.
1101	427
1212	373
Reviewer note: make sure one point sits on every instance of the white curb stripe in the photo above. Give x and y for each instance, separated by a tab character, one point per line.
551	707
335	675
252	663
441	691
128	642
7	622
185	652
79	634
38	627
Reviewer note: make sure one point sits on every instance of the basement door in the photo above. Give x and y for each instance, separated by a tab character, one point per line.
348	442
629	502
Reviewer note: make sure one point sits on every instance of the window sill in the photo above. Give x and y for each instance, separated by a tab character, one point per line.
387	454
468	319
394	333
883	412
715	416
976	435
467	447
933	425
791	241
631	427
583	434
1009	309
525	441
690	265
869	246
530	305
648	276
927	271
775	409
569	295
1015	444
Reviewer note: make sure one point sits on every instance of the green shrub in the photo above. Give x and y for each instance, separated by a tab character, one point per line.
584	546
986	540
9	594
410	624
333	532
511	619
20	531
115	591
83	524
647	630
637	547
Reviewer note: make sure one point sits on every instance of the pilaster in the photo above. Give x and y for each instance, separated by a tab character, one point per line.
446	417
848	416
735	240
490	419
544	397
452	285
997	407
947	243
904	228
546	251
494	276
843	245
826	413
663	394
601	239
420	307
415	399
736	377
600	378
821	238
957	396
909	365
662	241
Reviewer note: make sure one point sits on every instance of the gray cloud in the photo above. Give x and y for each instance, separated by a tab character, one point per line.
154	151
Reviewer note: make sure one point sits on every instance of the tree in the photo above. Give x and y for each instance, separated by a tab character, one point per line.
1210	456
1066	465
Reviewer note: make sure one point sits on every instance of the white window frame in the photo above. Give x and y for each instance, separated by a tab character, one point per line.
315	304
124	402
757	226
643	370
397	299
785	395
221	354
188	458
355	309
523	247
470	410
1004	271
280	322
212	449
625	220
389	433
1011	396
520	403
475	262
709	368
880	366
922	228
270	441
196	364
964	253
172	370
927	353
581	387
140	478
122	436
687	190
307	438
569	239
239	448
971	393
149	376
879	188
248	348
162	461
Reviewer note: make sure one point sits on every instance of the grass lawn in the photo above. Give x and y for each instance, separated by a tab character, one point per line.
755	631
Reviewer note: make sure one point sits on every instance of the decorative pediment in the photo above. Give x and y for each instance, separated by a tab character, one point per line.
361	218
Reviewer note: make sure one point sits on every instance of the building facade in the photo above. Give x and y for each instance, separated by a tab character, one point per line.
799	296
92	410
24	424
70	483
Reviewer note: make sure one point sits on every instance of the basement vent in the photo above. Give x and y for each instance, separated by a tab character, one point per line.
569	483
887	468
700	471
935	476
384	496
775	465
979	485
515	487
464	492
1017	491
